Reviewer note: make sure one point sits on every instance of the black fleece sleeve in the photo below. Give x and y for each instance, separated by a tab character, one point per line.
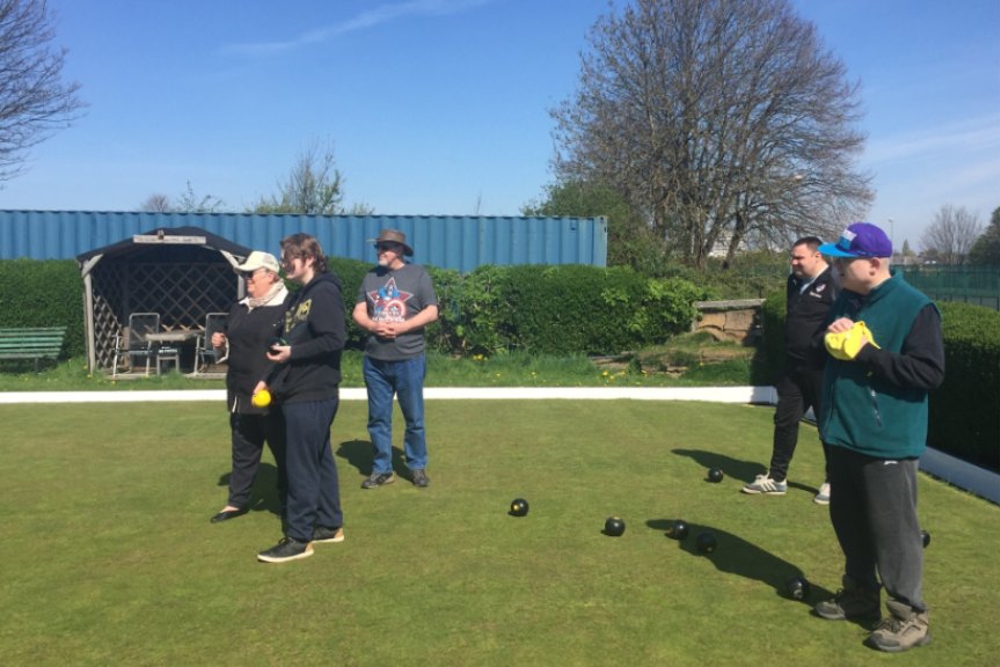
920	362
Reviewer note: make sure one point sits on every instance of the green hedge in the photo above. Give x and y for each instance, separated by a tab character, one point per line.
963	411
558	310
567	309
964	419
44	294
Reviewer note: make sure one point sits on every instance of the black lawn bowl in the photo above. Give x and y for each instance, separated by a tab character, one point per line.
706	542
678	530
715	475
926	537
519	507
614	526
798	588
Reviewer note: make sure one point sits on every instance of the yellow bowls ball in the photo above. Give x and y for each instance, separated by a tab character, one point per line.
261	399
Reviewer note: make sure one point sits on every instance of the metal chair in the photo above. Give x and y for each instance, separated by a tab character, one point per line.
205	354
133	343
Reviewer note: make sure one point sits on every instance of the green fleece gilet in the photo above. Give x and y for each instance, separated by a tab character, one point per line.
864	412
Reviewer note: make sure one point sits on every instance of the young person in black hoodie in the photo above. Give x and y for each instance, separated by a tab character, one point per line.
306	383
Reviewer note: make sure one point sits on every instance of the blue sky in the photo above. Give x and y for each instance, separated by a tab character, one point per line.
441	106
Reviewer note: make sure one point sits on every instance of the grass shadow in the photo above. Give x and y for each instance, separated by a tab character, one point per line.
359	453
731	467
264	494
735	555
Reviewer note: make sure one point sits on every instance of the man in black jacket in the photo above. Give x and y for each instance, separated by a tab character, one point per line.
811	291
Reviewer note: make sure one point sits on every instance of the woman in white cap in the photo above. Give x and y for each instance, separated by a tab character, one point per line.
253	323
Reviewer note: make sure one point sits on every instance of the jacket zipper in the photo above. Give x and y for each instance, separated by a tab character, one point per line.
878	415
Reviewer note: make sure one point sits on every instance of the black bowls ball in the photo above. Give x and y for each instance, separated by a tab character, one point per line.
715	475
678	530
614	526
798	588
519	507
706	542
925	537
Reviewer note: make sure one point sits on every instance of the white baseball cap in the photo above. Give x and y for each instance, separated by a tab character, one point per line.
259	260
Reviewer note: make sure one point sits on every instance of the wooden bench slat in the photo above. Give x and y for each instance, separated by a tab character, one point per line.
31	343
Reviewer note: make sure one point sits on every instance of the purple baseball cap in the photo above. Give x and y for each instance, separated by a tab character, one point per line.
862	239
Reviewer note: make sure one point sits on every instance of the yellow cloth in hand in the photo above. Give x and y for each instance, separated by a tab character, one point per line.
845	345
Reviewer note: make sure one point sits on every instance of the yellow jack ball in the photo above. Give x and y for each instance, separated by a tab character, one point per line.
261	399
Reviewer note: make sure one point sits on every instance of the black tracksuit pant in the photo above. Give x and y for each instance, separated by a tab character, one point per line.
798	390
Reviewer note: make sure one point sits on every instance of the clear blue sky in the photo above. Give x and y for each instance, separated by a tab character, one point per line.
441	106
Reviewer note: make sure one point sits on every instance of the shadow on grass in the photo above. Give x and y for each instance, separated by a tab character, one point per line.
735	555
359	453
264	494
735	468
744	471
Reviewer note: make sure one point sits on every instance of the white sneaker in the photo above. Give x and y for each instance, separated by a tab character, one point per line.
764	485
823	497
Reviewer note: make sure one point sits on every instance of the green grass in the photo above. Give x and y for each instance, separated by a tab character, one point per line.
108	556
510	370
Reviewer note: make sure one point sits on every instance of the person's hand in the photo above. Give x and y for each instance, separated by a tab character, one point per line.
279	353
841	325
218	339
260	386
387	330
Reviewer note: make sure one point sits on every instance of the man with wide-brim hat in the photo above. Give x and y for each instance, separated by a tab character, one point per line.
388	237
395	302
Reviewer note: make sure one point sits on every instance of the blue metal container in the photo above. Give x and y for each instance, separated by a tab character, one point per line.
453	242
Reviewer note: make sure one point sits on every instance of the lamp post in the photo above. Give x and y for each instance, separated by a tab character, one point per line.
892	235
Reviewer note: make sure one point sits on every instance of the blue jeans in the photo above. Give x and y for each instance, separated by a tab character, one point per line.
313	488
405	379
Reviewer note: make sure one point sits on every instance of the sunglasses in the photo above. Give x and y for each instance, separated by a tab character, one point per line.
390	247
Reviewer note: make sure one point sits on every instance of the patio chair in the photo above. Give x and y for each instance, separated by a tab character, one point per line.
134	344
205	354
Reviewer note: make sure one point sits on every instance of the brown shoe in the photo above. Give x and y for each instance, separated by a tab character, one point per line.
851	601
901	630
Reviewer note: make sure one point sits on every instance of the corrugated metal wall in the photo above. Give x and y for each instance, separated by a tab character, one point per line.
454	242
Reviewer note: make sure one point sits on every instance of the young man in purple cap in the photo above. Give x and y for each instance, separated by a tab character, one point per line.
874	419
395	302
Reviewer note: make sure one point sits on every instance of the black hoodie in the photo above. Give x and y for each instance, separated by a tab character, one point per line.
315	328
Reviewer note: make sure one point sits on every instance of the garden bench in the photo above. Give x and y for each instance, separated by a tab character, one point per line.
31	343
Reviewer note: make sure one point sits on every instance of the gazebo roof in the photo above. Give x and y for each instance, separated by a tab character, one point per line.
165	237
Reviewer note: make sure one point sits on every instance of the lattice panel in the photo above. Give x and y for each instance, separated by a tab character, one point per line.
183	293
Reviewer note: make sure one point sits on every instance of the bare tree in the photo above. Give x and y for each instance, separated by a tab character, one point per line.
725	122
34	102
952	234
156	203
313	185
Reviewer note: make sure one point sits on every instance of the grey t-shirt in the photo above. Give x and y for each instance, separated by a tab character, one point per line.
396	296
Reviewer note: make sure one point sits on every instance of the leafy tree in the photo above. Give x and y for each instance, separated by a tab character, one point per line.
986	249
34	102
725	124
631	241
952	234
313	186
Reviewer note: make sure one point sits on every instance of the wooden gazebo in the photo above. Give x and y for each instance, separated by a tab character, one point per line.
182	273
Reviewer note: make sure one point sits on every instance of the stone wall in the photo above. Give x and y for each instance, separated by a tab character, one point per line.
736	320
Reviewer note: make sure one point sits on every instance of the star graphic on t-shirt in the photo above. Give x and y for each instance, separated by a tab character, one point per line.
389	303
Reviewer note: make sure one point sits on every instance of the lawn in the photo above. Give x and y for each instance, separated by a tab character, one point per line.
109	558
